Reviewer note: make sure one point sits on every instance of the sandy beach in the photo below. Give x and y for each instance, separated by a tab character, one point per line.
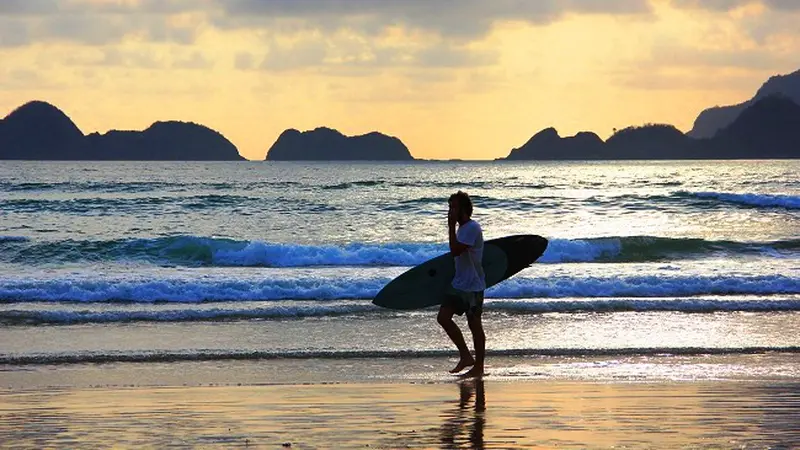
235	411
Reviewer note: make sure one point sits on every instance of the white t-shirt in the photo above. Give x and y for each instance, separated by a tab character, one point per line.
469	265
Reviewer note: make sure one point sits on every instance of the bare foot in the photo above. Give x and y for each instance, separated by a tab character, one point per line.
463	364
475	372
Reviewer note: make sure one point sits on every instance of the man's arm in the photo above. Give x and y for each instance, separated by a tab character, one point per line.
456	247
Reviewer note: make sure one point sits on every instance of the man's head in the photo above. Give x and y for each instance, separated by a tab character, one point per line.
461	203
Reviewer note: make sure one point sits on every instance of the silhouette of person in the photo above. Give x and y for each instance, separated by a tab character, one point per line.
466	291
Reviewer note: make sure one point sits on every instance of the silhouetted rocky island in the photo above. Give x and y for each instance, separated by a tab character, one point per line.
654	141
326	144
768	129
40	131
548	144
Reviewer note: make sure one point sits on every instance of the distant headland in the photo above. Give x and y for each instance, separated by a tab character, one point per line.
326	144
39	131
710	121
765	127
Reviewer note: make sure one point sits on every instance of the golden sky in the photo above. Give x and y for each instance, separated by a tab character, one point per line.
468	79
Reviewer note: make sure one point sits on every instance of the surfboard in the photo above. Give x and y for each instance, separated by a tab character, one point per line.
426	284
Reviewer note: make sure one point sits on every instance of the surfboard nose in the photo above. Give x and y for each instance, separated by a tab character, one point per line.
522	251
537	245
526	246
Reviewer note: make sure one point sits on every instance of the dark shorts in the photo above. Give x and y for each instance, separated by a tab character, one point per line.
464	301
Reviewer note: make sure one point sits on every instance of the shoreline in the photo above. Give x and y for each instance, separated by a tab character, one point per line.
653	368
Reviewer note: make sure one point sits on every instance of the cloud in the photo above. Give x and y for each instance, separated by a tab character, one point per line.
665	81
81	29
195	61
302	55
787	5
133	58
713	5
345	56
112	57
684	66
729	5
462	19
13	33
94	23
244	61
130	58
443	29
692	57
772	25
31	8
777	19
20	79
92	31
160	31
354	36
97	22
28	7
448	56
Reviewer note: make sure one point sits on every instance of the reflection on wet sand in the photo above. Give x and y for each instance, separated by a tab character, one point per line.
467	419
541	414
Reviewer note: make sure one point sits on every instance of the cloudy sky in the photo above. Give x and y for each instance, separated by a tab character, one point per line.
452	78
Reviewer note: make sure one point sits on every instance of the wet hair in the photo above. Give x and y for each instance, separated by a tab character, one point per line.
464	202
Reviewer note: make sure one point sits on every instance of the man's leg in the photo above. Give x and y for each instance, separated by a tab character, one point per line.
445	319
479	338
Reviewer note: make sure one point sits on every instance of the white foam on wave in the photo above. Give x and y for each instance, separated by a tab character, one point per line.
565	250
188	290
767	200
185	313
198	251
698	304
258	253
672	285
304	287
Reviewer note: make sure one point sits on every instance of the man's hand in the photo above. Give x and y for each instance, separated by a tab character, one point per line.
456	248
452	216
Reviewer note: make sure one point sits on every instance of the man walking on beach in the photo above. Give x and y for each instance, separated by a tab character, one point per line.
466	292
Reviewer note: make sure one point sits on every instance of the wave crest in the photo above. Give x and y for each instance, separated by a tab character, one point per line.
198	251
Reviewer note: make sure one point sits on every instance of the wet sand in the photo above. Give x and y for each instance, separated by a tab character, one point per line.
457	414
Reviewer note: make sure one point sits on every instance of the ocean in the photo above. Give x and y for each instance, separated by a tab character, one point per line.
272	266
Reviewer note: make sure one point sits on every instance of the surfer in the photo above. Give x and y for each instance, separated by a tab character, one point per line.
465	295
